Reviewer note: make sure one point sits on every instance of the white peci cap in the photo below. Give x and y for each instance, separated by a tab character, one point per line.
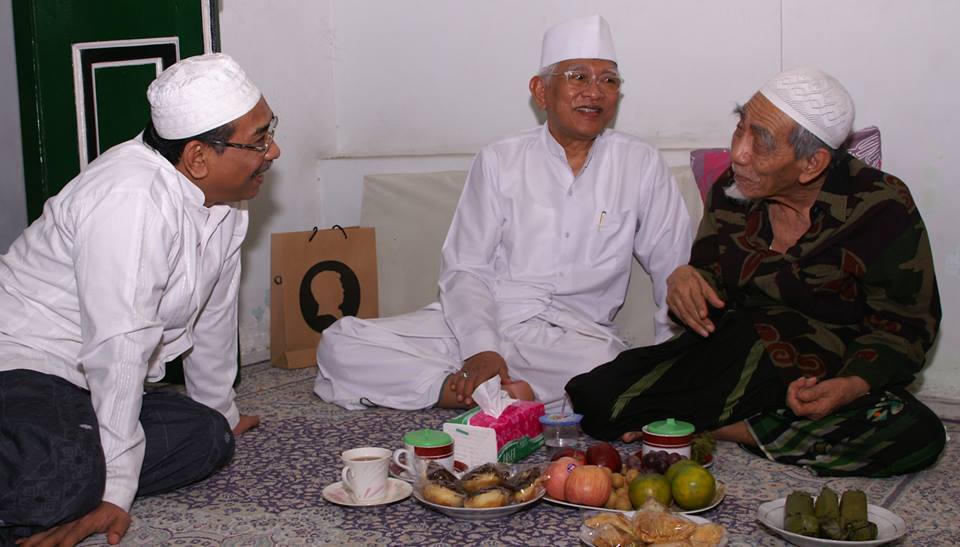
198	94
815	100
581	38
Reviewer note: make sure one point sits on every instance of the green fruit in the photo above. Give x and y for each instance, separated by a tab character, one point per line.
650	485
693	488
676	467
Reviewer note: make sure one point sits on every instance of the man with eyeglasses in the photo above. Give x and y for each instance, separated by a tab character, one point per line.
537	258
134	263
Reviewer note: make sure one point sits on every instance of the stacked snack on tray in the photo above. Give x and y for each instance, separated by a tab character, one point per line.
651	524
489	485
828	518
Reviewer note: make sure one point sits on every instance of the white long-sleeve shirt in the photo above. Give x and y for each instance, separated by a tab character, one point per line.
126	270
529	238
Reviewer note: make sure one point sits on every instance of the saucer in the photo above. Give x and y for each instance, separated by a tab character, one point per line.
396	491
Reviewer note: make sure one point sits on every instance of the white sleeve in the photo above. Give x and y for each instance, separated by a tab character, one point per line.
467	261
210	367
121	258
663	240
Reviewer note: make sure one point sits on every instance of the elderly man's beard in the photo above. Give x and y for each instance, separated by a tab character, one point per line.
733	192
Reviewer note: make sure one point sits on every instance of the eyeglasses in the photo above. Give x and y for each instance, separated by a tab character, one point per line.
261	148
578	79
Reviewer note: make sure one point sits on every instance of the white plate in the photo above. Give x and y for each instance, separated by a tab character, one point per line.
396	491
465	513
586	533
889	525
717	498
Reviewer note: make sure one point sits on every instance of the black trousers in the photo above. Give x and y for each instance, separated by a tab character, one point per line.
52	466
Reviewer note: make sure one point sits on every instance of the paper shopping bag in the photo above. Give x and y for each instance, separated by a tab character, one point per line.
318	276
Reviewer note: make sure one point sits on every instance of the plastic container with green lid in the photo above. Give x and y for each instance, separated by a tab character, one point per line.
427	438
670	435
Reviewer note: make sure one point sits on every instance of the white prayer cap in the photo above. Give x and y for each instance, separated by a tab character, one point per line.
815	100
198	94
582	38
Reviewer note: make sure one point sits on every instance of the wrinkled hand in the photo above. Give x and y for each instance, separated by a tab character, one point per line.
479	368
688	294
815	400
245	424
106	518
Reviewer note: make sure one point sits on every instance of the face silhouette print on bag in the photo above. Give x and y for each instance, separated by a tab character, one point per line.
328	291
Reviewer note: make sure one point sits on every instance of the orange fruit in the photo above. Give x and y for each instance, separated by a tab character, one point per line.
693	487
649	485
675	468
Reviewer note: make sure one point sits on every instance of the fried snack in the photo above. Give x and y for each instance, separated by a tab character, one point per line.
495	496
525	485
485	476
607	535
661	527
440	494
615	520
707	535
440	474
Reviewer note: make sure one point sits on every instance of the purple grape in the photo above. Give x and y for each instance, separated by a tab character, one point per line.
674	458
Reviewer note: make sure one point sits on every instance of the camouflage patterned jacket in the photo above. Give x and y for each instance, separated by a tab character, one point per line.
856	295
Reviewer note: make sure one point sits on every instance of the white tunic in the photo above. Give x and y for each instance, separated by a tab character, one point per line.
535	266
126	270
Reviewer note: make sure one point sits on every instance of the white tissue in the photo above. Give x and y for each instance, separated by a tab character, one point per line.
492	400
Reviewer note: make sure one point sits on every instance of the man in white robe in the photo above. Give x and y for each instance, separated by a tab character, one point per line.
537	259
135	262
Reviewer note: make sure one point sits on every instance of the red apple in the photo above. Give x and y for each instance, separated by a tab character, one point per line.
604	454
556	476
570	452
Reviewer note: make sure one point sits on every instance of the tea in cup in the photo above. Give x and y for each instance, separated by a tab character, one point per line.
365	472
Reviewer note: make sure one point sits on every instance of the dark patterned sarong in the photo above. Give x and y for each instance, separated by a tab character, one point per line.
52	466
727	378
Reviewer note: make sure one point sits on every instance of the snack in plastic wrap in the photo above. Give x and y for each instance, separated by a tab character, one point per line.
652	525
486	486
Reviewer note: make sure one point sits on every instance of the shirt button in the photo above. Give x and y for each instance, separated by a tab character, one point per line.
570	192
562	274
567	234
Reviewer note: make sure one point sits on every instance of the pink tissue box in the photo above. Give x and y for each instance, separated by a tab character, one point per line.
479	438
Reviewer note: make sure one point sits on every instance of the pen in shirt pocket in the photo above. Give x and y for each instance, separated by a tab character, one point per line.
603	214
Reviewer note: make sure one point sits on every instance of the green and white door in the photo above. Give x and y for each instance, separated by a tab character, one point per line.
83	67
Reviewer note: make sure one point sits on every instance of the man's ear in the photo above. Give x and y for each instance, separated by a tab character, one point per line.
812	167
538	88
193	160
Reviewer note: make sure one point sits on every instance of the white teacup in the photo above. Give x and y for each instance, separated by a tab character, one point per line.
415	459
365	472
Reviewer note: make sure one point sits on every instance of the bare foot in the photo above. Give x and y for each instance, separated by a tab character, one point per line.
631	436
519	390
736	432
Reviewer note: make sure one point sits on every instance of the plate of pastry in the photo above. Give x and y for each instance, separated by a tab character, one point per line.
651	524
486	492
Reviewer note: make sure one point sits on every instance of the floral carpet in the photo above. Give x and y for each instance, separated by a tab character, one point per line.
270	494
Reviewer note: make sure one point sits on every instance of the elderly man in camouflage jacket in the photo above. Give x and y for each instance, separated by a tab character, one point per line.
810	301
